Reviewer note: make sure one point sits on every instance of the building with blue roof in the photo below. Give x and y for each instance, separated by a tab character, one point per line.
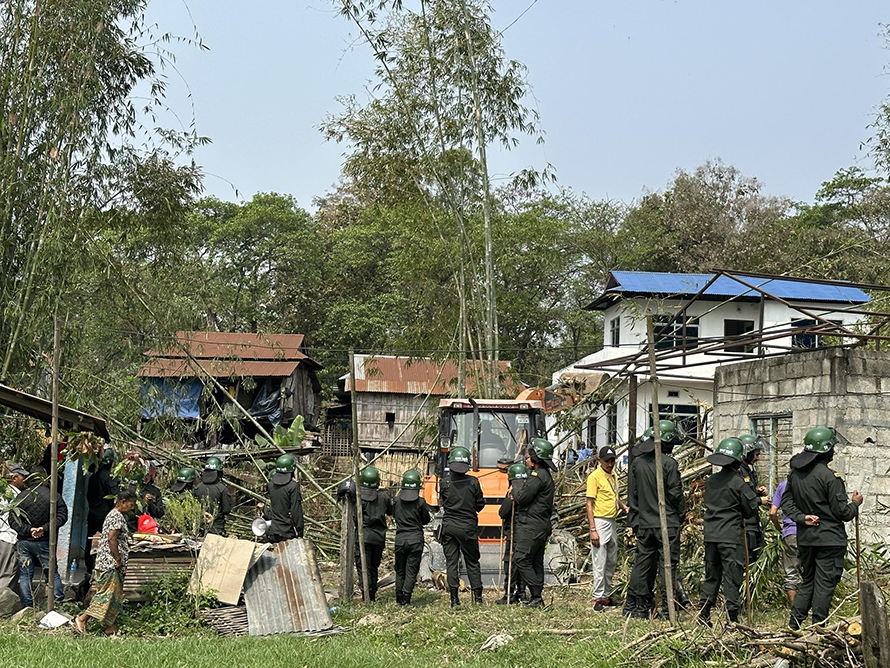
720	308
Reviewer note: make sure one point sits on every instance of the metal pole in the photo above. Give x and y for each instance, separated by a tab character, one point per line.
54	467
659	478
356	458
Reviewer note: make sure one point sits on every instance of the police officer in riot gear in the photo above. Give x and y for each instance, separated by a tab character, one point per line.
411	514
461	499
214	489
185	480
729	501
816	499
753	445
285	509
517	474
644	517
534	507
376	505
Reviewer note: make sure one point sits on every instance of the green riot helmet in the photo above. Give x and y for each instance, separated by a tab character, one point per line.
212	469
184	478
729	451
108	456
517	474
369	479
667	430
459	460
285	466
542	453
750	443
820	440
411	485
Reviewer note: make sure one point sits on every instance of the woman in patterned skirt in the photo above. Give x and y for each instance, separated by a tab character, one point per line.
111	567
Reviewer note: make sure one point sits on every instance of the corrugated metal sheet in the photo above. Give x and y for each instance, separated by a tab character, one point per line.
40	408
656	283
403	375
284	593
243	345
165	367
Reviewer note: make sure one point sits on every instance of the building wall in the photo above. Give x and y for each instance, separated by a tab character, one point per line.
304	399
842	388
375	431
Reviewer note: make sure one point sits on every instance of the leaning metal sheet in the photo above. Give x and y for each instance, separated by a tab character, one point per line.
283	592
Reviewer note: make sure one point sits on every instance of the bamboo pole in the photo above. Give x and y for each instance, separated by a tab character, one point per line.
54	468
356	457
659	478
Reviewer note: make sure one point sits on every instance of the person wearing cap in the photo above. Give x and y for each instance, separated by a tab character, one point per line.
534	507
150	496
102	489
603	505
185	480
461	499
285	509
517	474
31	524
376	505
816	499
215	491
411	514
753	445
642	497
788	530
9	561
729	500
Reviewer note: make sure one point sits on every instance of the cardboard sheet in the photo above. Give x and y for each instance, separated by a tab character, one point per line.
222	566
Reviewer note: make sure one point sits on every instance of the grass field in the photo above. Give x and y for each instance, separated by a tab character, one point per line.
428	633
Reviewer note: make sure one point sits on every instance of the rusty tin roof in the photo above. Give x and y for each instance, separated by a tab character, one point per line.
404	375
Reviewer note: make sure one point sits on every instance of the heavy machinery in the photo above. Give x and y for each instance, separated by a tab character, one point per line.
496	432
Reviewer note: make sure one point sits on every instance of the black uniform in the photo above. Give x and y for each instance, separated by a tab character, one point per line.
220	504
102	488
285	511
817	490
461	498
642	499
154	509
513	587
410	517
534	506
729	500
753	530
374	532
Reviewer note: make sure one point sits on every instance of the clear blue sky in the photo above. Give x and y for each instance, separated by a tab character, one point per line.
628	91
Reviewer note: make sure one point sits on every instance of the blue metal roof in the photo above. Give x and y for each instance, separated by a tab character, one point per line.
645	282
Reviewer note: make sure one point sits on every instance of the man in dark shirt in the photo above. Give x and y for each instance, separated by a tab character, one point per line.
31	524
460	495
513	587
376	505
534	507
411	514
285	509
102	489
816	499
753	446
214	490
643	501
729	500
185	480
152	502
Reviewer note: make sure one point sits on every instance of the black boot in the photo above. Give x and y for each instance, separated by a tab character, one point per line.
704	615
630	605
455	599
505	599
733	616
407	598
402	599
477	596
536	601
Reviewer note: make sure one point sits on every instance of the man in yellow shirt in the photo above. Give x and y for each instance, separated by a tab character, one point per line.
603	505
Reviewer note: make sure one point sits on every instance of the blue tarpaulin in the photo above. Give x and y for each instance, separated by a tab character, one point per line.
166	397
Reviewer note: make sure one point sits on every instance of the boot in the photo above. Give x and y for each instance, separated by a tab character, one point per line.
536	601
401	599
505	599
477	595
455	599
407	598
733	616
704	615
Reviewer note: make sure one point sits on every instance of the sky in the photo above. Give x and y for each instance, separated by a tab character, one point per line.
628	92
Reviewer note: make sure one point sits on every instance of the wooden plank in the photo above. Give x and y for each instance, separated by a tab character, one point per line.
222	566
875	633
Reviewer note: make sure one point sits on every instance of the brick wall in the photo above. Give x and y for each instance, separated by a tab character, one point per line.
841	388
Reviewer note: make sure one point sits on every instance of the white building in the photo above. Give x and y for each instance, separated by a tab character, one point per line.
726	308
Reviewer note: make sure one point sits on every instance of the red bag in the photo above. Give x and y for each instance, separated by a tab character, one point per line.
147	524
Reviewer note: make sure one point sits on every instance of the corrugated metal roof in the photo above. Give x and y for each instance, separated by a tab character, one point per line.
242	345
284	593
165	367
656	283
40	408
404	375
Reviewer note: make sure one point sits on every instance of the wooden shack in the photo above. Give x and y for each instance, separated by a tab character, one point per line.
269	374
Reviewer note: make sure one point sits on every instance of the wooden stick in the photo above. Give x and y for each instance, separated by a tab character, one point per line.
858	562
747	568
510	563
355	472
54	469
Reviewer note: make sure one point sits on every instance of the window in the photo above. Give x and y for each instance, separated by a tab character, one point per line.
737	329
684	416
390	420
615	331
672	335
807	339
612	425
591	432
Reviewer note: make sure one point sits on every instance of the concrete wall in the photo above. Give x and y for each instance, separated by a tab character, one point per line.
845	389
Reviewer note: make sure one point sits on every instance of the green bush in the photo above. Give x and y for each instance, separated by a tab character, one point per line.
169	609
